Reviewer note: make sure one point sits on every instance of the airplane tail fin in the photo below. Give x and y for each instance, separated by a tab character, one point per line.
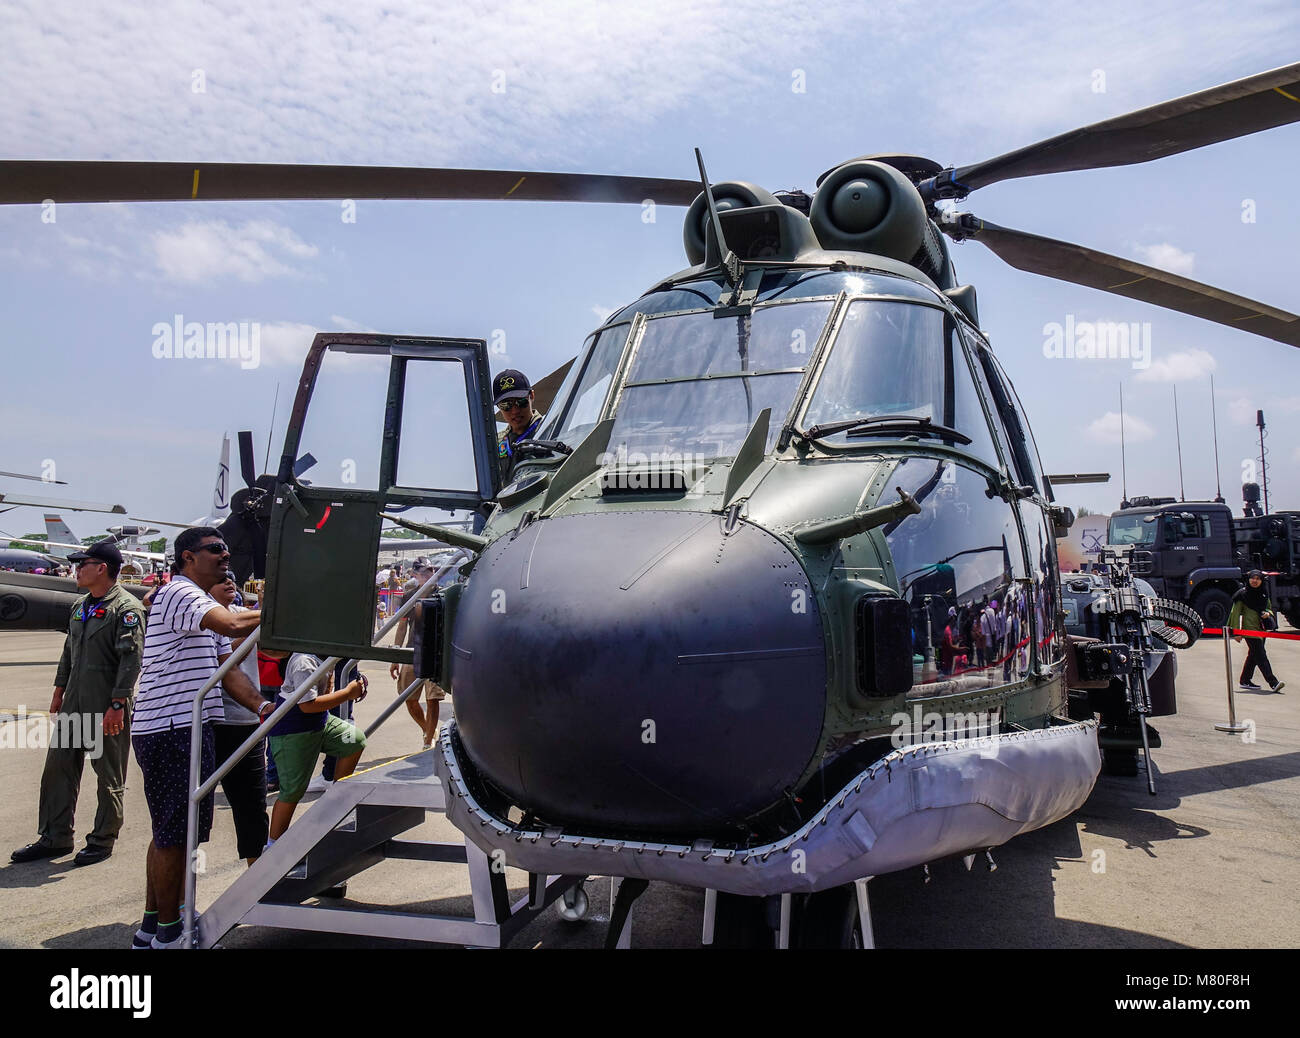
57	530
221	492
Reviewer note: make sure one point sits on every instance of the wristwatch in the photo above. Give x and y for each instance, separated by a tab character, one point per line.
118	704
261	710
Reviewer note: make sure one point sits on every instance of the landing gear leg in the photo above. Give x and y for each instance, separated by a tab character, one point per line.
864	912
620	916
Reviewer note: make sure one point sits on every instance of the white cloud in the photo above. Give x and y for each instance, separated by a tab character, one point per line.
1106	429
1168	257
286	342
203	250
346	324
1179	367
1242	410
602	312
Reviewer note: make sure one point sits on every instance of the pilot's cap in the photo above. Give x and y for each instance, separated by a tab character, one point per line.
100	551
510	384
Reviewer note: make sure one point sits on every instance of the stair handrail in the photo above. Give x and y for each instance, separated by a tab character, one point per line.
199	788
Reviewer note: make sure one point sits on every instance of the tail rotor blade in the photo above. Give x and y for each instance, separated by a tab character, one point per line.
303	464
247	463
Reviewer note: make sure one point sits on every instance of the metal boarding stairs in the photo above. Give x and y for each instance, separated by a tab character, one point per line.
354	825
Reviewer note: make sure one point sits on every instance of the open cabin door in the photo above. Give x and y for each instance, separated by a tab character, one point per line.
396	424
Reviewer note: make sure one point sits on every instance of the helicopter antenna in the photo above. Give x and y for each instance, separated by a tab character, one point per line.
1178	436
1123	462
270	433
730	264
1214	418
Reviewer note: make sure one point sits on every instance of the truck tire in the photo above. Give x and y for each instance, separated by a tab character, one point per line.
1214	605
1176	624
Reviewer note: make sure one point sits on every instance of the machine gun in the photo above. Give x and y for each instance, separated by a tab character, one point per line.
1122	667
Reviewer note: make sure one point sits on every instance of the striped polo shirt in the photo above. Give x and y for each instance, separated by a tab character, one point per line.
179	656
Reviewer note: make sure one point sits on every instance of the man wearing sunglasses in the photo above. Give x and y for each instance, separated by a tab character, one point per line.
187	639
93	685
513	395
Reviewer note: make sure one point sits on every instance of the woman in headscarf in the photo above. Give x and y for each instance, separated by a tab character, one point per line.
1252	611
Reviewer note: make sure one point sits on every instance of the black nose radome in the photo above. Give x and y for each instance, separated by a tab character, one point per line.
640	670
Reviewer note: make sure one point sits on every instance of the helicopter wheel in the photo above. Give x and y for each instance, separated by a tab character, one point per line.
575	910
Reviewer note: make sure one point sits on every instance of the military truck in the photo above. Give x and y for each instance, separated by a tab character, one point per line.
1197	552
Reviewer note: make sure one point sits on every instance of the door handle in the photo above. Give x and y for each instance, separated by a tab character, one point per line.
294	503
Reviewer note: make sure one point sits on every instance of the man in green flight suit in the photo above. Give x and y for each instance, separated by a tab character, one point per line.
513	394
92	690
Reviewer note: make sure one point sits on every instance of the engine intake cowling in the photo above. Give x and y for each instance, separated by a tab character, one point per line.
730	194
867	206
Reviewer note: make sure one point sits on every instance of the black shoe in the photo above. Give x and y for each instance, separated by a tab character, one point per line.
1249	684
1278	686
91	854
38	851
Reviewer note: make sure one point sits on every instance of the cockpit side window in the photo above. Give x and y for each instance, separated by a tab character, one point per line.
581	399
1019	441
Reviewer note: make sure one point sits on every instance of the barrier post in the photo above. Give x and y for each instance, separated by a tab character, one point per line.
1233	726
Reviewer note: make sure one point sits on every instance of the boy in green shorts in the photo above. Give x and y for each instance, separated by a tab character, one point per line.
307	731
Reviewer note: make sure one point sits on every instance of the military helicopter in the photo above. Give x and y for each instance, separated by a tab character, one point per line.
770	605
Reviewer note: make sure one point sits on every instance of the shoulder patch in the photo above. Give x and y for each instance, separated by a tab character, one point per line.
130	618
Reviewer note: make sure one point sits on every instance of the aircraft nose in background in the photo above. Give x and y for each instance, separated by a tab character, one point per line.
640	670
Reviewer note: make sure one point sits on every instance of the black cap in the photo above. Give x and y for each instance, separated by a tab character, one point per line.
102	551
510	384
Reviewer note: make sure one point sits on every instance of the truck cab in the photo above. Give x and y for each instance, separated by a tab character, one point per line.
1185	550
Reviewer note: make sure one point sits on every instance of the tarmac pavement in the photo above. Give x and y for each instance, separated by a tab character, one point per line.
1211	861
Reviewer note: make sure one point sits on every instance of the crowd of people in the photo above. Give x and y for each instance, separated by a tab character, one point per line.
171	645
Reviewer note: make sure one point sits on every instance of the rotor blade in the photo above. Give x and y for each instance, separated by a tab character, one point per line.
71	506
304	463
34	181
38	479
1083	266
545	388
1220	113
247	463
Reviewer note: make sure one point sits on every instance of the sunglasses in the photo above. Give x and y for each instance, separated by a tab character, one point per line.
91	562
217	548
510	405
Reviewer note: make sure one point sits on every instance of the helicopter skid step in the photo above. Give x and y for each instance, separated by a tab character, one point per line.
916	805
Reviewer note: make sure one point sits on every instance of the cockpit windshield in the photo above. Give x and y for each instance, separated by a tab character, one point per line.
899	359
696	382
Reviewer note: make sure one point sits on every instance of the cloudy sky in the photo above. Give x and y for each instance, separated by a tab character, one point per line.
772	93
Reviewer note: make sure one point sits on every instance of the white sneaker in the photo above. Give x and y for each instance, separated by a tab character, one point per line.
318	785
179	942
